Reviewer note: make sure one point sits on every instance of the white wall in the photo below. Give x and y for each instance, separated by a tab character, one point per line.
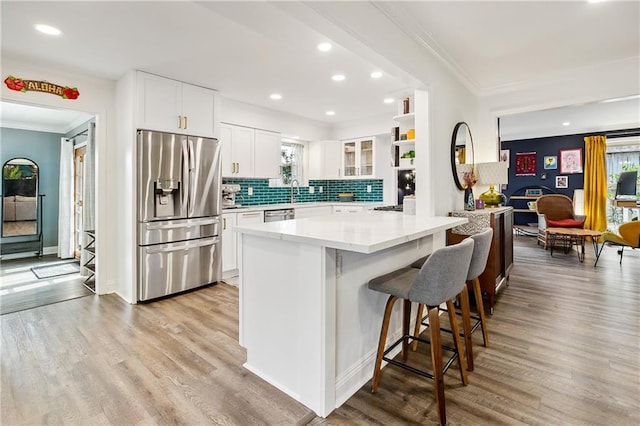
378	125
97	98
590	84
243	114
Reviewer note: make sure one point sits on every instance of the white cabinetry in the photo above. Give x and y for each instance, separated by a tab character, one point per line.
347	209
229	257
172	106
363	158
230	239
237	150
302	212
325	160
248	152
266	154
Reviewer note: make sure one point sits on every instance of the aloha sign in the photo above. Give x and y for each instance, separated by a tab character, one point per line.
20	85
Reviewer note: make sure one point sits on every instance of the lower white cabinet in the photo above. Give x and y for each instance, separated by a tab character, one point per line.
347	209
302	212
229	255
230	239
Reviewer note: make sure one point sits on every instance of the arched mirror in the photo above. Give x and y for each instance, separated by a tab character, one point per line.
461	152
19	197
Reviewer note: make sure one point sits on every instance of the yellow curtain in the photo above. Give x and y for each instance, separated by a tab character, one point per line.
595	183
461	155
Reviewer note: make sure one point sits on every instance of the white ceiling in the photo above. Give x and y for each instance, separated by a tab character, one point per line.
248	50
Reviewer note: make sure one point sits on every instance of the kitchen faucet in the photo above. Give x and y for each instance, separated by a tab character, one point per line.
293	200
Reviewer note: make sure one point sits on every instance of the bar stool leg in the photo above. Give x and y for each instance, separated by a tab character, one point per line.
466	326
456	340
406	319
483	323
416	329
383	338
436	360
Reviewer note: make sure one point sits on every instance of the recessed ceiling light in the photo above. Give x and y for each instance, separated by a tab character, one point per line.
338	77
324	47
566	123
276	96
389	100
376	74
47	29
330	113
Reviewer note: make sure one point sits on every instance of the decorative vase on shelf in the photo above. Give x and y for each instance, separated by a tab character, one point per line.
469	202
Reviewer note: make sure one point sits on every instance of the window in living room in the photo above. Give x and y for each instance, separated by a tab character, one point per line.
622	156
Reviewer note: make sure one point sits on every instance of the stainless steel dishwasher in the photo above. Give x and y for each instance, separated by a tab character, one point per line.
280	214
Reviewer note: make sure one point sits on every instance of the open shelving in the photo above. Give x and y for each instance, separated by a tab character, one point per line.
90	259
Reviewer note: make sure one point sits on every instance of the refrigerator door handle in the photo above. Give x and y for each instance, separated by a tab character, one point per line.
184	224
184	246
186	183
192	160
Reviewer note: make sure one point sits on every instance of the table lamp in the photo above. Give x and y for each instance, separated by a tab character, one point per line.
493	174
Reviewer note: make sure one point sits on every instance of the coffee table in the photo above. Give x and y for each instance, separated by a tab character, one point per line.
573	236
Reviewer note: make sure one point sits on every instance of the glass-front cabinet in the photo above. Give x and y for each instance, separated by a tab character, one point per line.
358	158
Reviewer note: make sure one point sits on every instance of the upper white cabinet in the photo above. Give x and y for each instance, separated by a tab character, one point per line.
267	150
172	106
325	160
362	158
249	153
237	150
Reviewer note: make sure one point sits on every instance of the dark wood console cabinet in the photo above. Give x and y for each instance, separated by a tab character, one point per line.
500	262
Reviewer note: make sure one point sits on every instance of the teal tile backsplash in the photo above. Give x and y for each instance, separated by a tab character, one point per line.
263	194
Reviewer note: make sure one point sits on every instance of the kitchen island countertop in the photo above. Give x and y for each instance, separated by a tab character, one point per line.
366	232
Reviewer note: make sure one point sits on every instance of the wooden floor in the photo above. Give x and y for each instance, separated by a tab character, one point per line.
565	340
20	289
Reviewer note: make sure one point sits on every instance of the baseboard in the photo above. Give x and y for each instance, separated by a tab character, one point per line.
50	250
45	251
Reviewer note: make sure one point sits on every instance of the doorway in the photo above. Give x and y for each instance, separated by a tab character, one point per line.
29	280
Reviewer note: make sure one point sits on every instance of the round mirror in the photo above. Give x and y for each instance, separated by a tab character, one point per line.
461	152
19	197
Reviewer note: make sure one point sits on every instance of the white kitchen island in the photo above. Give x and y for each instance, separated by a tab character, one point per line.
308	321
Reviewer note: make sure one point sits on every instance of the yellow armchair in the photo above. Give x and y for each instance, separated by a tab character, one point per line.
629	237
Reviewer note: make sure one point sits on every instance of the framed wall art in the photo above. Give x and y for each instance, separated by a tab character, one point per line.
525	164
571	161
550	162
504	156
562	181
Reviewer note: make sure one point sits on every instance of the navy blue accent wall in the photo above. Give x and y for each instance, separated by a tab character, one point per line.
544	147
44	149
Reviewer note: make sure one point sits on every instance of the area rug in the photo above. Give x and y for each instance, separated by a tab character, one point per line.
49	271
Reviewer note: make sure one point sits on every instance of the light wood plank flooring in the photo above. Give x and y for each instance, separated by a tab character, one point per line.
20	289
564	349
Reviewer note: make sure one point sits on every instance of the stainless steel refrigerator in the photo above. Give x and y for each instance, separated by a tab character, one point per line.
179	203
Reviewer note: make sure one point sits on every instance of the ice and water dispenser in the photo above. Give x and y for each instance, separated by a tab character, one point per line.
167	198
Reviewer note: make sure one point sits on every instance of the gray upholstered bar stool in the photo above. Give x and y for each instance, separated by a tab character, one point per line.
439	280
478	264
